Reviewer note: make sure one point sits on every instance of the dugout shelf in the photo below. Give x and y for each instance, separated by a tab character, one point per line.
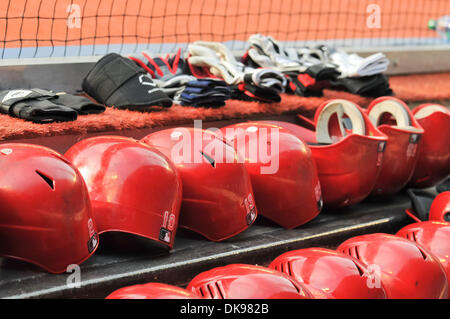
114	266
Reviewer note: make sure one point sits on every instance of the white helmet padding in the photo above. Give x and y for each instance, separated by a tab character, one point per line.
339	107
394	108
430	109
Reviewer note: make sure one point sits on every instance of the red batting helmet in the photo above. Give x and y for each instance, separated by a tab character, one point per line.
240	281
347	149
285	181
335	274
433	163
407	269
45	215
152	290
133	187
218	199
434	236
395	120
440	208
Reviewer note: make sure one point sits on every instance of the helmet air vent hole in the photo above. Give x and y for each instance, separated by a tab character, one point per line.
297	288
209	159
201	292
361	272
214	290
220	289
354	252
424	256
47	179
211	291
288	268
411	236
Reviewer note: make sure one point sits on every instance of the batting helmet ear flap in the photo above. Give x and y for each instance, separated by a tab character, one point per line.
395	109
340	108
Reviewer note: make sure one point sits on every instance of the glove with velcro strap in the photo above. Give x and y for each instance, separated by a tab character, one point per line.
265	52
170	73
313	80
369	86
35	105
117	81
204	92
173	76
209	100
266	79
251	93
246	82
81	104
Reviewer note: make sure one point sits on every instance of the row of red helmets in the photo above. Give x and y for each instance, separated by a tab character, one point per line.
413	264
56	206
375	151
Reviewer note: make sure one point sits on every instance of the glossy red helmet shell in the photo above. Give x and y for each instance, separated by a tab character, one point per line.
238	281
349	166
434	236
133	188
440	208
218	200
393	117
152	290
46	216
335	274
407	269
433	163
284	179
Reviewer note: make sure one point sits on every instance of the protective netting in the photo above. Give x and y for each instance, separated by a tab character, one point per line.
51	28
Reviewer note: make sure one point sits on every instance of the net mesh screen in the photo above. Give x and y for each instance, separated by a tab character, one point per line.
55	28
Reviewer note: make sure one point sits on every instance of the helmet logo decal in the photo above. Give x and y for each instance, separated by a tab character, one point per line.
6	151
318	193
249	205
165	233
412	146
144	79
381	149
93	237
15	94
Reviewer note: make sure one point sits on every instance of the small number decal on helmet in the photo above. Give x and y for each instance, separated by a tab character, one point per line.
165	233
